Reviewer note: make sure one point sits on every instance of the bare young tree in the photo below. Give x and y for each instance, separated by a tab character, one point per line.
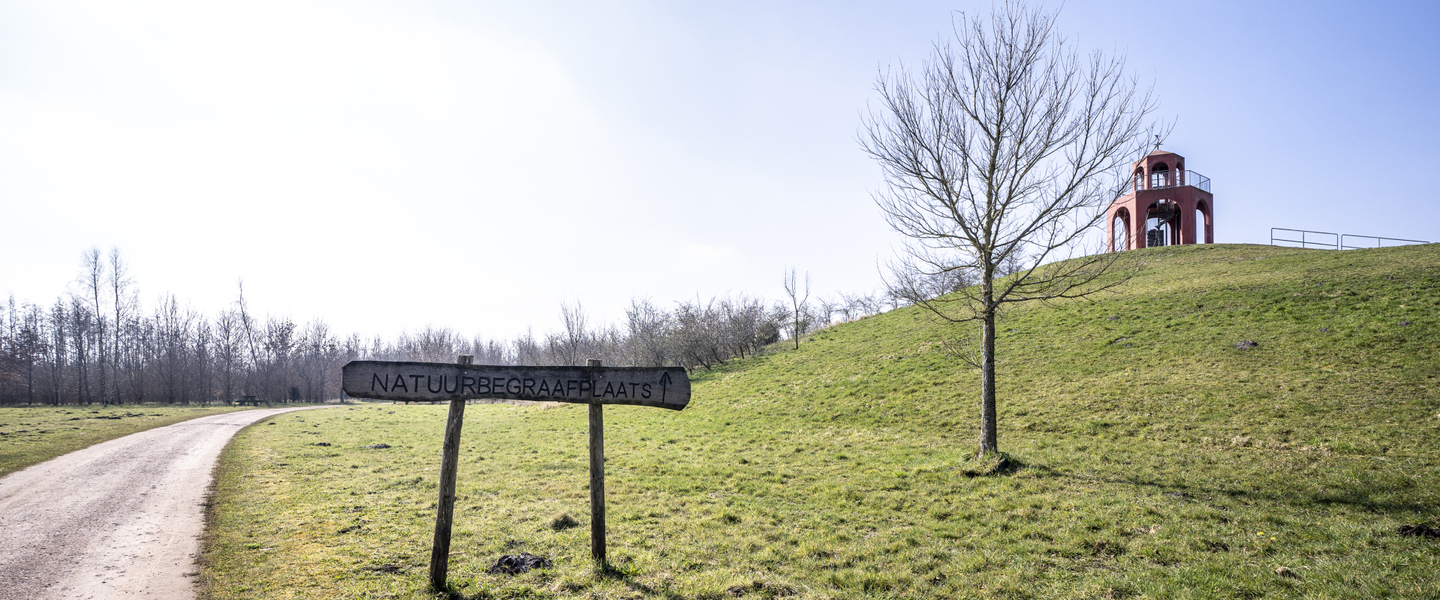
696	335
93	280
319	358
247	325
799	305
649	330
746	325
229	343
490	352
824	314
1004	148
432	344
527	350
856	305
175	330
279	342
569	344
138	355
202	363
80	328
26	345
59	348
119	286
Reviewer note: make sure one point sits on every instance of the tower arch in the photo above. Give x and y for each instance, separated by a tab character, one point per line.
1204	230
1120	231
1159	176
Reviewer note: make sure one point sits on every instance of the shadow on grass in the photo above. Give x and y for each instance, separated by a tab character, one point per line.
646	590
608	572
627	575
994	464
1366	496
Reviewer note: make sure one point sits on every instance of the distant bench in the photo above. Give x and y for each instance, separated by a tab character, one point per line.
251	400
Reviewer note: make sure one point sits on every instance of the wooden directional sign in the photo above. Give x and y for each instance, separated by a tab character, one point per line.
594	385
666	387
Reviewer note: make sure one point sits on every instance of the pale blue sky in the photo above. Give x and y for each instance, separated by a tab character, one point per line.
388	165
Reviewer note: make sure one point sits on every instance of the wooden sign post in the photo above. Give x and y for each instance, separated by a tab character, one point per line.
597	478
662	387
445	507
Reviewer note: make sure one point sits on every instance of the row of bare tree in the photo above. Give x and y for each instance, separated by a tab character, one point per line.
694	334
97	344
69	354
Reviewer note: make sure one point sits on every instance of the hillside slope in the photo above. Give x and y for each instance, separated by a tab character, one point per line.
1156	458
1350	335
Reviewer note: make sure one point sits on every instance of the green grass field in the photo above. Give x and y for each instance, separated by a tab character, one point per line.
35	434
1156	460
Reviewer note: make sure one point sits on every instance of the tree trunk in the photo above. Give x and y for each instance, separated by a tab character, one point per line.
989	441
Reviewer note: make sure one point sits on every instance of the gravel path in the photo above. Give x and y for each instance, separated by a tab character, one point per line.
120	519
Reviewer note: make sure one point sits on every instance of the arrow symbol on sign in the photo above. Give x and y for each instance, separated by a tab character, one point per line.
664	382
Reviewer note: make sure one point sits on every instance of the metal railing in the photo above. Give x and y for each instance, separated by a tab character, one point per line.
1166	179
1379	241
1338	241
1304	241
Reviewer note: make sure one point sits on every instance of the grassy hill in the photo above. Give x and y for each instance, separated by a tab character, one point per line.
1156	458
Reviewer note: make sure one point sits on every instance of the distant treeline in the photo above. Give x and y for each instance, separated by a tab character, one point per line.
97	344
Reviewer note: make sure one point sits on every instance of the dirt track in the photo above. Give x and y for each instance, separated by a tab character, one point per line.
120	519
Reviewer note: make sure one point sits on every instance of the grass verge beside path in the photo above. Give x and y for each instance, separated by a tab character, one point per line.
705	509
1152	459
34	434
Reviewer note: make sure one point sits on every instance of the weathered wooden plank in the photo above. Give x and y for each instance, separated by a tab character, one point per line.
666	387
597	479
445	507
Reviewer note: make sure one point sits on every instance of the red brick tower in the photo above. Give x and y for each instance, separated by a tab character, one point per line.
1164	205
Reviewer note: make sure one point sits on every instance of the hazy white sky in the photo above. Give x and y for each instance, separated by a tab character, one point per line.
391	165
